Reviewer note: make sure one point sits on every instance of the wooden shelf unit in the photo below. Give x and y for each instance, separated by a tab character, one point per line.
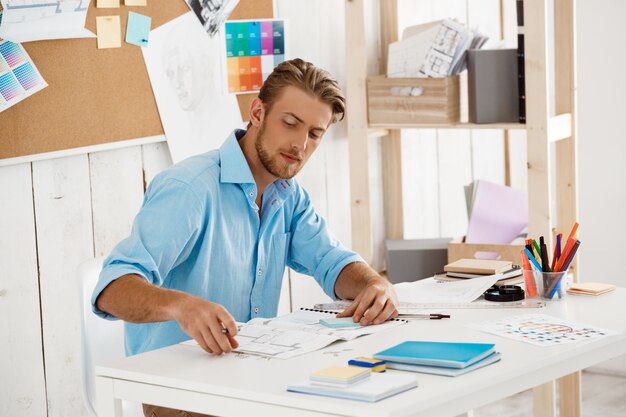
542	130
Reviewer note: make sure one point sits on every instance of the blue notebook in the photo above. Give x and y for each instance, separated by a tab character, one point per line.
445	354
439	370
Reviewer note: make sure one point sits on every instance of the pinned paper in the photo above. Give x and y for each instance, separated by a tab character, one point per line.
109	32
135	2
30	20
138	29
108	4
19	77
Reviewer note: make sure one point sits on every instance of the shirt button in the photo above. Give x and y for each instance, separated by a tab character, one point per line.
251	193
259	273
256	310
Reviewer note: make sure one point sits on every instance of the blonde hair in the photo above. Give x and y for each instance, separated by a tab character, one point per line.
308	78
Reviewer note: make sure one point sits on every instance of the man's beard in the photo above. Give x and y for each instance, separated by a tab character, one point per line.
274	167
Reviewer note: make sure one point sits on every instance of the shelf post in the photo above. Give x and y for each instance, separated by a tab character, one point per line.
392	144
356	120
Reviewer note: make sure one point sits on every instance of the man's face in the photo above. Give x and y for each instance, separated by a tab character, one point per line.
291	131
182	72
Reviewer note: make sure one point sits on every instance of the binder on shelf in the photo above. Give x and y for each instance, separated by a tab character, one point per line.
521	61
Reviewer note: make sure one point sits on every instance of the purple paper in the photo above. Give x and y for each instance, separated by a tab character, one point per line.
499	214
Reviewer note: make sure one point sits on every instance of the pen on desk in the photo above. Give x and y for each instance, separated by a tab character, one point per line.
426	316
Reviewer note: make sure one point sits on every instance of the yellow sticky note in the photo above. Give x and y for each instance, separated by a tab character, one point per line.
108	4
340	372
135	2
109	32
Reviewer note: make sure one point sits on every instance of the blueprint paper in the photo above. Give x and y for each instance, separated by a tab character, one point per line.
295	334
19	77
183	64
499	214
34	20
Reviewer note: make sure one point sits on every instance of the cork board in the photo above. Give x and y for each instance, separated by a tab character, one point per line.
96	96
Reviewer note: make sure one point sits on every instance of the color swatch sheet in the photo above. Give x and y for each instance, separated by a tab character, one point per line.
542	329
253	49
19	78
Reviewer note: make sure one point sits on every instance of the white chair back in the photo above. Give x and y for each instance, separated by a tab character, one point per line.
102	340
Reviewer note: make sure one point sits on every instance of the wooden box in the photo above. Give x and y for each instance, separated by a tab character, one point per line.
459	250
412	100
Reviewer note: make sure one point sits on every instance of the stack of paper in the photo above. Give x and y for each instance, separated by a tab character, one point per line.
435	49
375	388
590	288
439	358
343	376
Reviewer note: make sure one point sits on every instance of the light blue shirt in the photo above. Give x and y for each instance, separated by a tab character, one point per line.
199	231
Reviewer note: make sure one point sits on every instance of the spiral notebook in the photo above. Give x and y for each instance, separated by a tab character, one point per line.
297	333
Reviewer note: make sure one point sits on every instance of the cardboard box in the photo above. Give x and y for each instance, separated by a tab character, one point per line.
459	250
412	100
411	260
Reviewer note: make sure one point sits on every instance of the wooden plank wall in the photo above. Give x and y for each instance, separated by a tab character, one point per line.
58	213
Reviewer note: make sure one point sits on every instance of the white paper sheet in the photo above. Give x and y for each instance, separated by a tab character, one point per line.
33	20
295	334
430	291
541	329
183	63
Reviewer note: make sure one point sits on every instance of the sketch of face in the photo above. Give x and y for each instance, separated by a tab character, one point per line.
184	72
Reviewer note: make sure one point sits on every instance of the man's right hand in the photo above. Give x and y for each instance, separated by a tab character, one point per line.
205	322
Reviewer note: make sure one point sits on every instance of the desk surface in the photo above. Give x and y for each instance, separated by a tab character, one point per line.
186	377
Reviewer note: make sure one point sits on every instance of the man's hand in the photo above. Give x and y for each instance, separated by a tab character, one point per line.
376	303
205	323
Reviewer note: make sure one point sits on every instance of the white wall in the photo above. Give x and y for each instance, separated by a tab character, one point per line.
602	138
55	214
602	144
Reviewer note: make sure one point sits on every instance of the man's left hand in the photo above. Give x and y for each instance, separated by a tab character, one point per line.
375	304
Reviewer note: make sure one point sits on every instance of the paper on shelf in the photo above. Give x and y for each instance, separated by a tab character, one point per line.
498	213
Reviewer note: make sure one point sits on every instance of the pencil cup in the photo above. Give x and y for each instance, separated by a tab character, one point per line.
549	285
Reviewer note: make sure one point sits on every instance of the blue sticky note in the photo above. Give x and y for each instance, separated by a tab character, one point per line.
138	29
335	322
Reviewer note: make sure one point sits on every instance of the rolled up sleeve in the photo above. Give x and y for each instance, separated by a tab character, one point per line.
163	233
313	250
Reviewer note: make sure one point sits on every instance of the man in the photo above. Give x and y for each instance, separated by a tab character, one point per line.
215	232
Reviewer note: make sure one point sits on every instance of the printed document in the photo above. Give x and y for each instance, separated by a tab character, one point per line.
295	334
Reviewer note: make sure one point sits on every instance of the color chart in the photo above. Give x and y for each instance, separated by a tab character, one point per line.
253	49
542	329
19	77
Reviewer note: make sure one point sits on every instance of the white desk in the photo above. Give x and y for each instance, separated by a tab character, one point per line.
185	377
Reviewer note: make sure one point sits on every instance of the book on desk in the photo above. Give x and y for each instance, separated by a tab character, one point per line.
440	358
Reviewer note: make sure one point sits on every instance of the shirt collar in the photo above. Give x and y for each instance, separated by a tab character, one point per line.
234	167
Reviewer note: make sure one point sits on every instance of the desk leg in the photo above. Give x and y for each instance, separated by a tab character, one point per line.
544	401
570	390
106	403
